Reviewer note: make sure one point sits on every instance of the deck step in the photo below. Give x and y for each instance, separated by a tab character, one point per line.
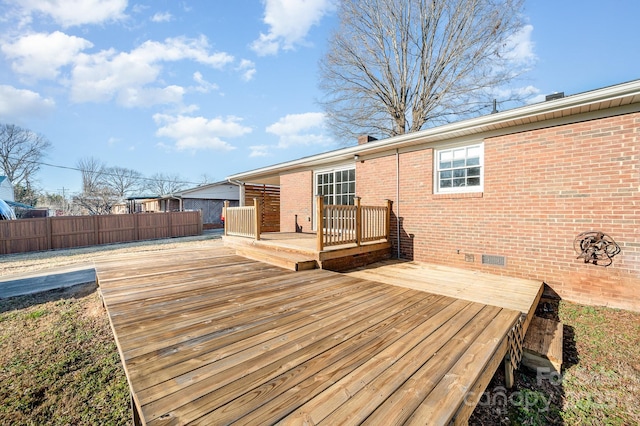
291	261
543	345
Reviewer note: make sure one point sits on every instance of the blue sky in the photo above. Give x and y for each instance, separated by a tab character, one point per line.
211	88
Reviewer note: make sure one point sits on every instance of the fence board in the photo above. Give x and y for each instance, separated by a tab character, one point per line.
26	235
269	197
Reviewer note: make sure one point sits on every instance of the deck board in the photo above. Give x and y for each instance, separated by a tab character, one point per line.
209	337
506	292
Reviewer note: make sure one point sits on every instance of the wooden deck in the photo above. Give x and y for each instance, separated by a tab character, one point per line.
289	248
209	337
506	292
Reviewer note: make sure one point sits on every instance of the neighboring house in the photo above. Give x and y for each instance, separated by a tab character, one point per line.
6	189
6	199
20	210
139	204
509	193
208	198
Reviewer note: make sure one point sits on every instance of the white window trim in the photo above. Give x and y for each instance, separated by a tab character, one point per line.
457	190
315	186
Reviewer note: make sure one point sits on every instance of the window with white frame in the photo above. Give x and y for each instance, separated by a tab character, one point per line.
338	187
459	169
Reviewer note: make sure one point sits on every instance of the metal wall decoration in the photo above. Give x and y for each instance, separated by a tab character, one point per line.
596	247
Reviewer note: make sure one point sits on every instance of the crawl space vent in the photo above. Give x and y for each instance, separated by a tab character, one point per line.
490	259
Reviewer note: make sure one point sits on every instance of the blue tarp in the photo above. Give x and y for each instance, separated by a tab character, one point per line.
6	213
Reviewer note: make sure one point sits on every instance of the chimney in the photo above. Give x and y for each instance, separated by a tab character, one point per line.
554	96
365	139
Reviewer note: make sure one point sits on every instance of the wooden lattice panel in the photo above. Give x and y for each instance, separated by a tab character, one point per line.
516	339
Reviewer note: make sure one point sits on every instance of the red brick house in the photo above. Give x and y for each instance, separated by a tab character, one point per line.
508	193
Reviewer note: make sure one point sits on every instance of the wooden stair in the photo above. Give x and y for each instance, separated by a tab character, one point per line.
283	259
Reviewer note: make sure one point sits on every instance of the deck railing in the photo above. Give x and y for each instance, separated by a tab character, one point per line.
242	221
357	224
337	225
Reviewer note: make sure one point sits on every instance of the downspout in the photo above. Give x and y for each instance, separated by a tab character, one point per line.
398	198
241	192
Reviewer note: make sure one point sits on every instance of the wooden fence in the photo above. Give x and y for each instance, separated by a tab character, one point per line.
26	235
269	198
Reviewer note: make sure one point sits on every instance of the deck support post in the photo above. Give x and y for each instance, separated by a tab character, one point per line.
257	218
224	216
509	378
319	222
387	224
135	415
358	222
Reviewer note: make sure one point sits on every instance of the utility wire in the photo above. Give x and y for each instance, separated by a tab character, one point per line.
101	172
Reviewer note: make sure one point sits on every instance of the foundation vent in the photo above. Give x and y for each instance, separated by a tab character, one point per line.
490	259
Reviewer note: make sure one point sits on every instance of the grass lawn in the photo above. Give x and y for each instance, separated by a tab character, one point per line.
59	365
58	361
599	384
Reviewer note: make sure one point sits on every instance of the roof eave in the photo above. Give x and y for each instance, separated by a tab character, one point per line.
625	93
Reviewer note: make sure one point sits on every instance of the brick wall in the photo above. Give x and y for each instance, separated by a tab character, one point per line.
542	188
296	191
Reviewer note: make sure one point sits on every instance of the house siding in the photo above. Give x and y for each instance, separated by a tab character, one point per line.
541	189
6	189
298	188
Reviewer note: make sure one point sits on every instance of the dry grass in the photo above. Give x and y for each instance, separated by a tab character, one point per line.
59	363
23	263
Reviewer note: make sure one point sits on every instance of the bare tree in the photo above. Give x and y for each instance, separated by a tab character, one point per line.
21	151
165	184
121	181
96	202
92	171
96	197
395	66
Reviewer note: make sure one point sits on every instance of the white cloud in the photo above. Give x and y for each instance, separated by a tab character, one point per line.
102	76
507	95
162	17
41	55
149	96
196	133
203	85
17	104
247	68
289	22
76	12
300	129
259	151
520	48
536	99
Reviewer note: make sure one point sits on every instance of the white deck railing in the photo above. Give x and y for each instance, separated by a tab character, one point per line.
242	221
